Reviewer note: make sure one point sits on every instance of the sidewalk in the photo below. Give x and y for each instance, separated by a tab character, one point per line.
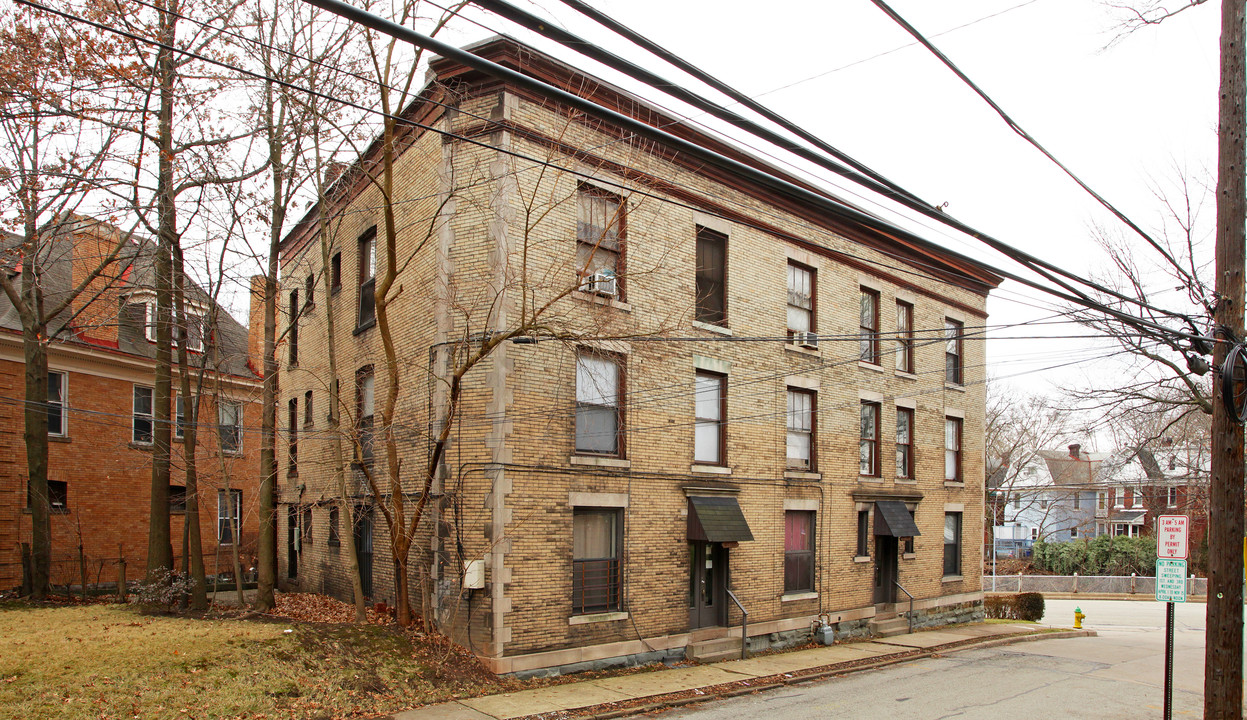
630	694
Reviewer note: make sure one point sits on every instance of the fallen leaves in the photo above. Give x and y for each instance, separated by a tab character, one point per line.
309	607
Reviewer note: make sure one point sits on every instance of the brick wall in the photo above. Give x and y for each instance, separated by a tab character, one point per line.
506	246
108	478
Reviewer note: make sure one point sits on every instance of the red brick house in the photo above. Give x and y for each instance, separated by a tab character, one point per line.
101	371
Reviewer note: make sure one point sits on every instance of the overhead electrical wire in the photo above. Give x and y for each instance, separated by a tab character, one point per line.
907	199
774	183
1021	132
506	151
433	129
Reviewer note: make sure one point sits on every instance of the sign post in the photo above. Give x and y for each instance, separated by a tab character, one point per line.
1171	552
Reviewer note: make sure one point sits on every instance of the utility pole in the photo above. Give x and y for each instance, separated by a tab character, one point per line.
1223	662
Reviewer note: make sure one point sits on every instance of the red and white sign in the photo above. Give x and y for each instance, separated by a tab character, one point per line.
1171	536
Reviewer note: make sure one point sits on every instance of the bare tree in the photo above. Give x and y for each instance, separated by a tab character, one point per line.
58	156
1157	371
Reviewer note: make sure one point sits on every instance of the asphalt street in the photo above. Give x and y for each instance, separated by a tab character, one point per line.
1118	674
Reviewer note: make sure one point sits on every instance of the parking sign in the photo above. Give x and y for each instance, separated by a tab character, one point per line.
1171	537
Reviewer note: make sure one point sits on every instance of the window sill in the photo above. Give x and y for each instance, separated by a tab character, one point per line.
954	484
906	481
951	578
720	329
802	475
361	328
812	352
232	453
795	596
596	618
874	367
908	556
710	470
140	446
594	461
954	386
861	558
869	479
65	439
905	375
593	299
51	511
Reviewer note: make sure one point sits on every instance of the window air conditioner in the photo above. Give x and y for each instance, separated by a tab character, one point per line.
603	283
805	339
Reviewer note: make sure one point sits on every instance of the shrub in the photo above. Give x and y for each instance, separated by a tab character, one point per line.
1029	606
1103	555
163	591
999	607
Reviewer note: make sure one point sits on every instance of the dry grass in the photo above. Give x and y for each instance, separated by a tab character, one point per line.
109	661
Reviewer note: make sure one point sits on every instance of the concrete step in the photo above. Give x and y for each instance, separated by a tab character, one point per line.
708	651
888	627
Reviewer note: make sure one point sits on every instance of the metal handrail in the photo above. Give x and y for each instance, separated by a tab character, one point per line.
744	623
910	615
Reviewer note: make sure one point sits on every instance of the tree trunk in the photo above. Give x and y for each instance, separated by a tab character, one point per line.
190	437
36	435
345	511
266	543
159	545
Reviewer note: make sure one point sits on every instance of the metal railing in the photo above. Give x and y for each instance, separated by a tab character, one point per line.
910	615
744	624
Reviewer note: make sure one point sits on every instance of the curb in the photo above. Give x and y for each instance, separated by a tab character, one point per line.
608	711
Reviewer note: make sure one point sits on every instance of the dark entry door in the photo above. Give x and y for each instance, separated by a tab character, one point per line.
363	548
885	569
292	543
707	585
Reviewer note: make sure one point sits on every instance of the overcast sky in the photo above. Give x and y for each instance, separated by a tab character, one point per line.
1122	117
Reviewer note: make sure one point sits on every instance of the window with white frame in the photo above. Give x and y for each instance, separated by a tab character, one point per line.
868	440
599	411
709	433
228	514
229	425
1171	496
953	361
904	443
904	337
801	418
952	543
868	331
952	449
597	534
800	299
194	330
599	241
141	419
57	382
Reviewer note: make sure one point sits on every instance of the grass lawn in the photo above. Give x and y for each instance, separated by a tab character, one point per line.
109	661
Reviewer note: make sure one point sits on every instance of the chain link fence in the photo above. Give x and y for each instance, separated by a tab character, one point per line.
1115	584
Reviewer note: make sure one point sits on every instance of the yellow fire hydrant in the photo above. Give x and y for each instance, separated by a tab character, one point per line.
1078	616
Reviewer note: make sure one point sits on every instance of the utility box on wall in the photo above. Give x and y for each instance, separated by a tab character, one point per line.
474	575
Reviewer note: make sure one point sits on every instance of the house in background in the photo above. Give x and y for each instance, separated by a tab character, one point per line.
1139	484
1060	496
1050	497
810	448
101	369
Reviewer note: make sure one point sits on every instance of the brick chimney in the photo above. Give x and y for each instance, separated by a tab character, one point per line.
1073	451
90	242
255	326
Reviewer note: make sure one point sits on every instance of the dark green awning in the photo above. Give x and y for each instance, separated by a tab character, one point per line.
893	518
716	519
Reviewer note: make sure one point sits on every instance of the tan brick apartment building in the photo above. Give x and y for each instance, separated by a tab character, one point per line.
100	423
747	398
